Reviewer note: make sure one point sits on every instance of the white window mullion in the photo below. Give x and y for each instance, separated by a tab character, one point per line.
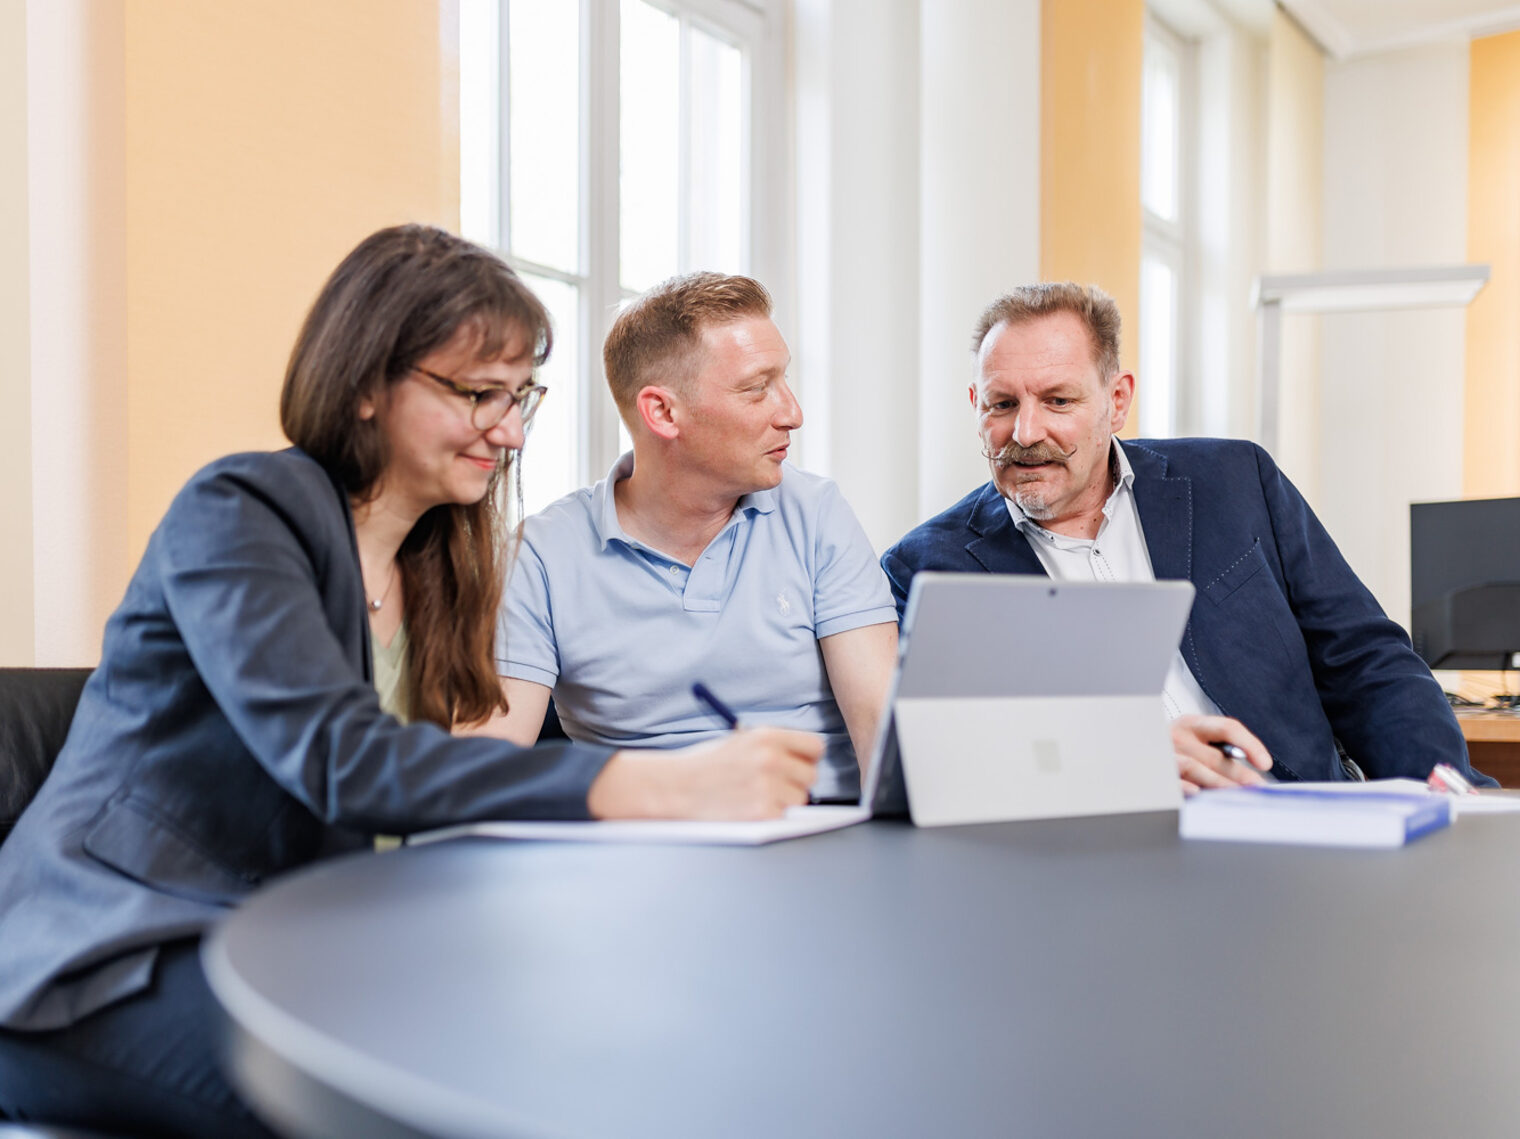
747	149
600	297
538	269
1190	307
482	115
503	212
684	114
1168	305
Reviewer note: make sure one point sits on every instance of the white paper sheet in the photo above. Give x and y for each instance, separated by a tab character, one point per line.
797	822
1486	803
1356	787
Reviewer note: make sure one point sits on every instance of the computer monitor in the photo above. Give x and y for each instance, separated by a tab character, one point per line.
1465	582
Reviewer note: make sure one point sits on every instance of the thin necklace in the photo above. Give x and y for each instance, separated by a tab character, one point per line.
376	602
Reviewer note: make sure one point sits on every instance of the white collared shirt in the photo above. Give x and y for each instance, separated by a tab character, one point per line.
1118	553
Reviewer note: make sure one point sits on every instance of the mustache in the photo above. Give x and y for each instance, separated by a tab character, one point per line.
1010	453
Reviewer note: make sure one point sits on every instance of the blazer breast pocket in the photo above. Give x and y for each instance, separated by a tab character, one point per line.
1247	599
1243	569
132	840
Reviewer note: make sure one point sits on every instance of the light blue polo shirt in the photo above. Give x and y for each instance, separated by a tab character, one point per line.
620	631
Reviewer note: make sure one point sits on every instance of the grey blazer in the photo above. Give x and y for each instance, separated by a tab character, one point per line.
231	733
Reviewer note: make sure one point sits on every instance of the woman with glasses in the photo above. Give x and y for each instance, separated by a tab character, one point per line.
280	684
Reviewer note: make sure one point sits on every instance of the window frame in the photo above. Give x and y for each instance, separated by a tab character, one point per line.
1173	241
758	29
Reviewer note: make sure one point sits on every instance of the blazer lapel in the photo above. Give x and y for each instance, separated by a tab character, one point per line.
1166	515
366	650
998	547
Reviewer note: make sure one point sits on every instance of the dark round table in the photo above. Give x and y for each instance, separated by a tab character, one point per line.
1062	978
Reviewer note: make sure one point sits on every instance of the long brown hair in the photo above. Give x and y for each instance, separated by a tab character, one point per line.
401	294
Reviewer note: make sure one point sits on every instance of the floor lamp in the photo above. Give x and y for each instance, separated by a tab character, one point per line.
1364	290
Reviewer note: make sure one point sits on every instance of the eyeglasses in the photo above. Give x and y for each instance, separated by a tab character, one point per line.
489	406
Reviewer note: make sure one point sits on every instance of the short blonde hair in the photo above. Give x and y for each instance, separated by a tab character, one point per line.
658	337
1096	309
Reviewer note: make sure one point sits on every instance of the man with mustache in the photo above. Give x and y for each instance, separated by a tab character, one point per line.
1284	642
702	556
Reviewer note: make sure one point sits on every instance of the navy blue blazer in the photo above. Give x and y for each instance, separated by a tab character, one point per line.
231	733
1282	635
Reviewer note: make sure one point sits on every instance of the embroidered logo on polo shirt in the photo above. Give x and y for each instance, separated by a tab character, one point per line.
783	606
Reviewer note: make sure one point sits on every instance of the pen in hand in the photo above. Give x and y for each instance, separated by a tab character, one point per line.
1238	754
716	706
721	710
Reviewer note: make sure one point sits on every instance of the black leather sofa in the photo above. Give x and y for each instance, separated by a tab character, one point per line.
36	708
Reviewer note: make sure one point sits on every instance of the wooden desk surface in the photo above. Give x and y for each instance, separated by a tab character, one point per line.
1484	726
1493	743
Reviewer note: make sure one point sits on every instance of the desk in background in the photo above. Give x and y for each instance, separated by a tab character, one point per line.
1065	977
1493	743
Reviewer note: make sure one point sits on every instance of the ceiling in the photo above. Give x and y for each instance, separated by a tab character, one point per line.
1346	28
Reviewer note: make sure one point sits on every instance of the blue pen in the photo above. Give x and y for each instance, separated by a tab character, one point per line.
721	710
718	708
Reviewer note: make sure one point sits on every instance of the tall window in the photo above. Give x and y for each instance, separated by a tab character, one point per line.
605	145
1164	184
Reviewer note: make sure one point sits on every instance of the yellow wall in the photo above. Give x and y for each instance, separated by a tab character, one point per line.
1491	434
264	138
15	376
1091	52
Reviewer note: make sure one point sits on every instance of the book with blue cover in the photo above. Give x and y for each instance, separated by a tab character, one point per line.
1310	815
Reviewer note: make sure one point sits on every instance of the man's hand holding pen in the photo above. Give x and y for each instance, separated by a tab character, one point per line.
1216	751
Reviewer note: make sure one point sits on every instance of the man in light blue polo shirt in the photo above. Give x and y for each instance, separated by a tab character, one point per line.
702	556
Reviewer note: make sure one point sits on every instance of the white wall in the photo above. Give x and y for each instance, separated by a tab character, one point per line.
918	157
16	629
857	347
979	173
76	98
1231	202
1392	383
